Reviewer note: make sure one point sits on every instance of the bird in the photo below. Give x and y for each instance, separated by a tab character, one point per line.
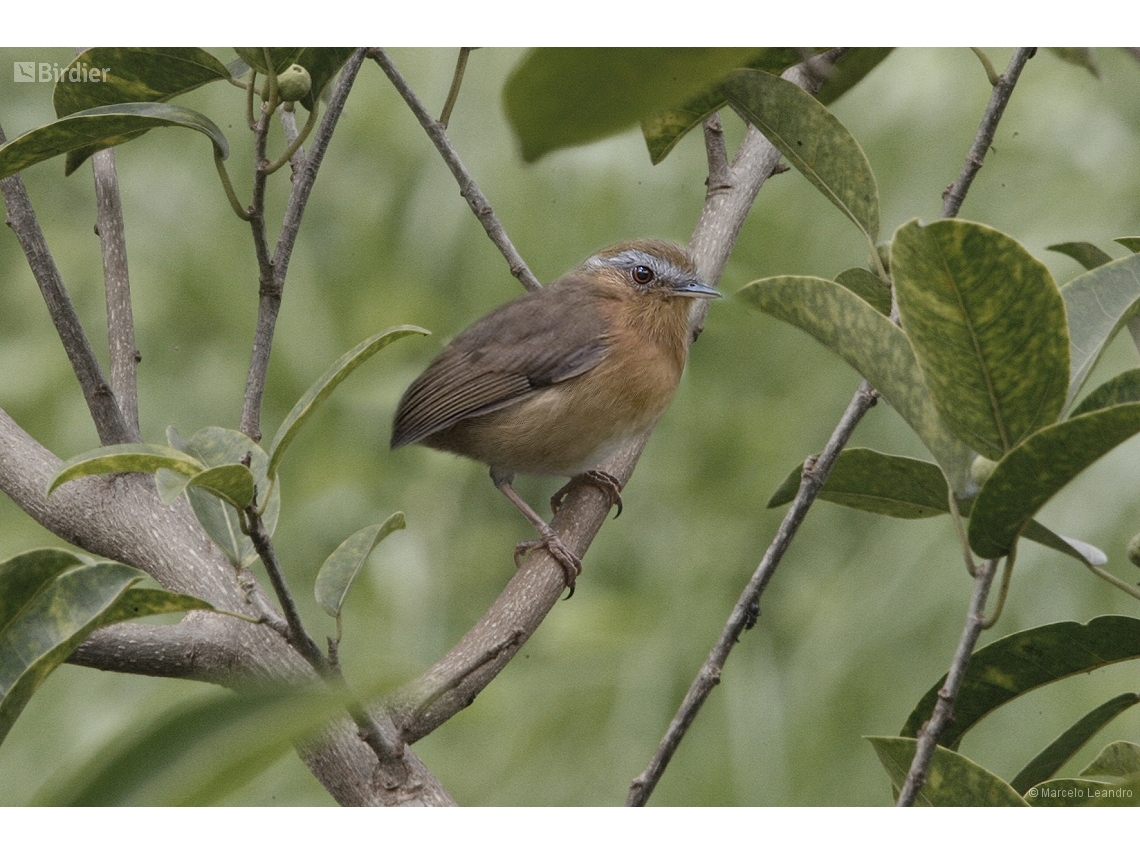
555	381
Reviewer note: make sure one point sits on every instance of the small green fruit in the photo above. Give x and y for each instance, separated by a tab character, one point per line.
294	83
1134	550
982	468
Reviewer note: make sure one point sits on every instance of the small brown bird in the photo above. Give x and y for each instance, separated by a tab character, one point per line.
554	382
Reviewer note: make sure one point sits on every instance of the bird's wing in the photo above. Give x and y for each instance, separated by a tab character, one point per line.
521	347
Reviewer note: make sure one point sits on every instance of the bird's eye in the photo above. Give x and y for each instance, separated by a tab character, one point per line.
642	275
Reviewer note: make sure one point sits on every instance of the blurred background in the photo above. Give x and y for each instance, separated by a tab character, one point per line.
864	613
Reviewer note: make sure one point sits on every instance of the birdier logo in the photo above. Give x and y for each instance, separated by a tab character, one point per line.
50	72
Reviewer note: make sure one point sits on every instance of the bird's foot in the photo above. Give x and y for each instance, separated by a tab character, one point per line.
604	481
571	564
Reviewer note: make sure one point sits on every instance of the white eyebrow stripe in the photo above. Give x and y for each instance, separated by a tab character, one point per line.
630	258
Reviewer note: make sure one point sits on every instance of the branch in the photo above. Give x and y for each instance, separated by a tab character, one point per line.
452	683
105	412
944	708
125	356
468	189
268	300
272	272
720	223
121	518
296	635
955	194
747	608
456	82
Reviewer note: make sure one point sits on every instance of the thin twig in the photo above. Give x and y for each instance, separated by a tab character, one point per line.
746	610
124	354
268	297
960	529
105	412
1003	589
955	194
468	189
298	637
297	138
755	156
983	578
456	82
273	272
991	72
944	707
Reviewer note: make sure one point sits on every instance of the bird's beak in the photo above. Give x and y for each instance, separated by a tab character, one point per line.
696	289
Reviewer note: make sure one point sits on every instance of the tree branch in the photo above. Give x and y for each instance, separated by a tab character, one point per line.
726	205
120	318
121	517
944	707
747	608
468	189
456	82
105	412
955	194
272	271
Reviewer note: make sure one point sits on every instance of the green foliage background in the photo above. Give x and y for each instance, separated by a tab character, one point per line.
864	613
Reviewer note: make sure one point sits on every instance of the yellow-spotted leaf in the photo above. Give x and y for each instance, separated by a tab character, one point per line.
952	780
1036	470
988	325
872	345
52	599
813	141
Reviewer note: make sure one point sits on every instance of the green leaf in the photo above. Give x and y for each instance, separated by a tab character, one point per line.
1116	760
1124	388
134	75
664	130
1098	303
323	64
988	325
88	131
1132	244
1031	474
1088	255
222	447
282	57
559	97
865	284
325	385
884	484
130	457
1023	661
905	488
873	346
1081	56
852	67
1079	792
231	482
1085	553
952	781
50	600
813	141
197	755
1061	750
170	485
341	568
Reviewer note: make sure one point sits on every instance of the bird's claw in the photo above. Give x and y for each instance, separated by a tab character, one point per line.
571	564
604	481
